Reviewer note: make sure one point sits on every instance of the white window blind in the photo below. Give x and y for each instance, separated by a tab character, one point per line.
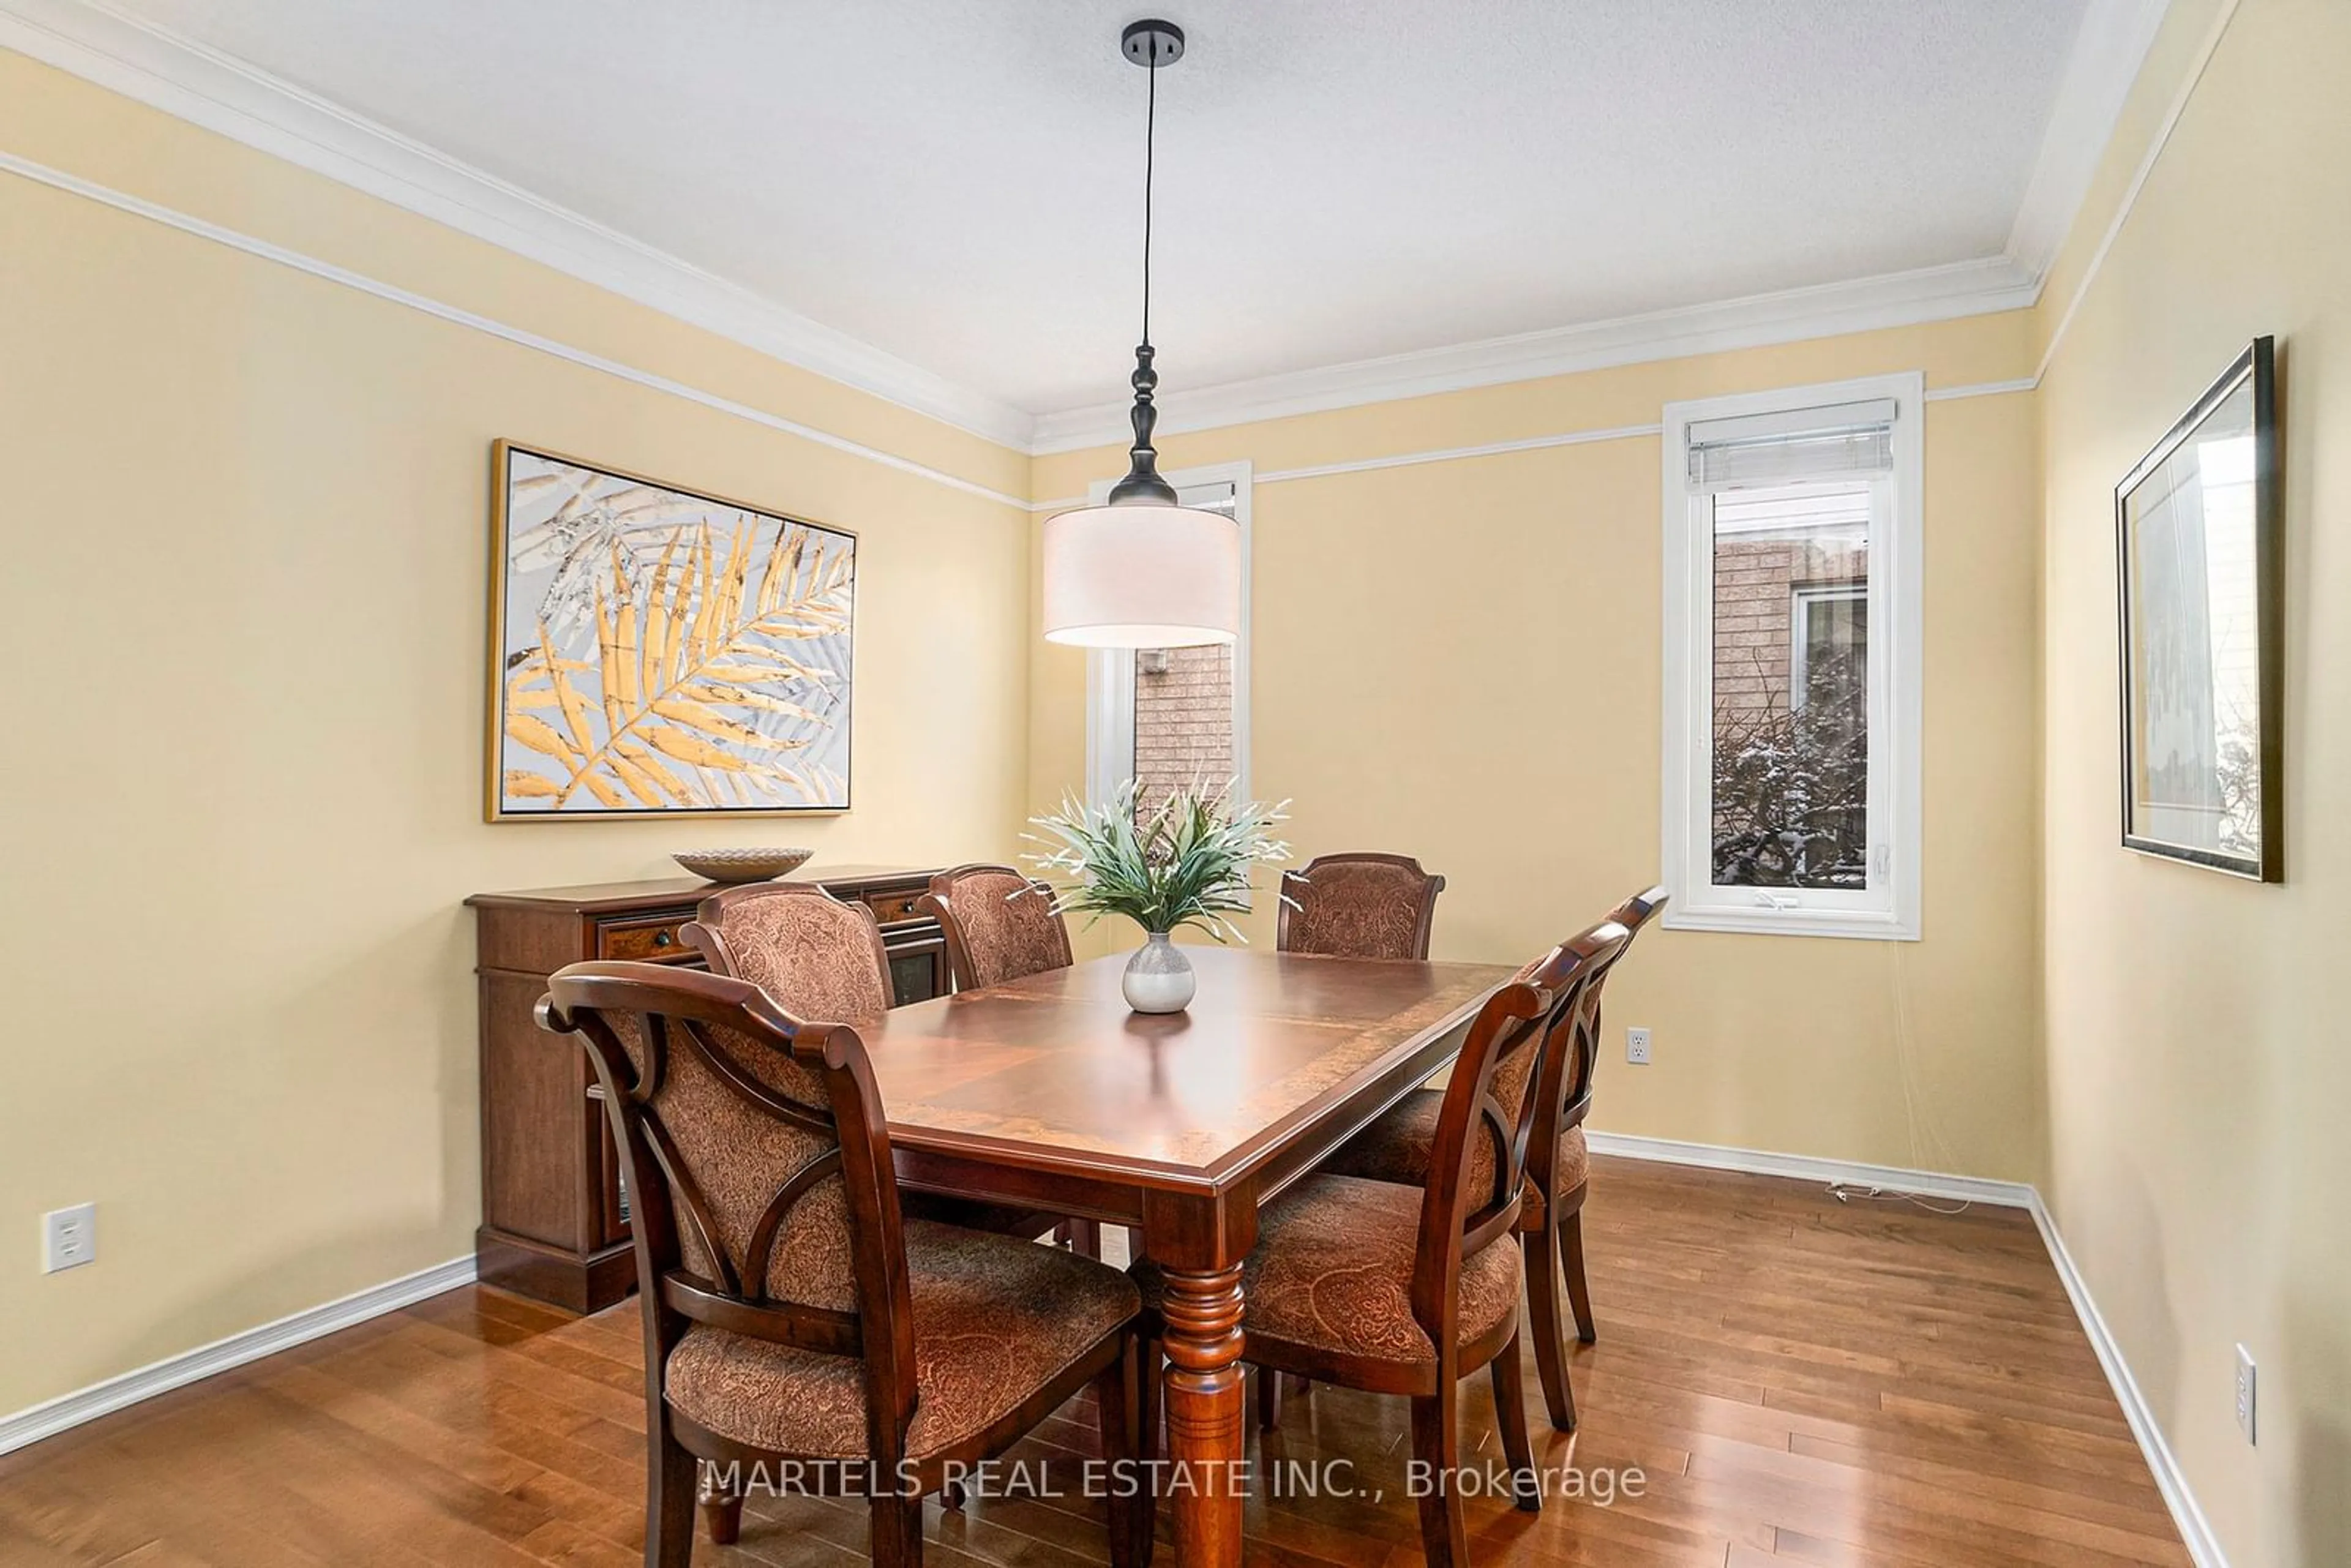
1837	440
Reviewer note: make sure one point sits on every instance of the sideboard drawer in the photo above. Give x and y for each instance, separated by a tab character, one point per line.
894	906
643	941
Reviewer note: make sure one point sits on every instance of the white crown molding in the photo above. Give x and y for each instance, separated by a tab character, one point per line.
54	1415
2205	50
2107	53
1894	300
222	94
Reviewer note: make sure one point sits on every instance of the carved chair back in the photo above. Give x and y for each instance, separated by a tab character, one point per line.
1476	1160
757	1159
816	955
999	924
1361	905
1562	1096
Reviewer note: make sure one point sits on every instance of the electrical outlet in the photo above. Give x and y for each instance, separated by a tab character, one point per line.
69	1237
1636	1046
2245	1393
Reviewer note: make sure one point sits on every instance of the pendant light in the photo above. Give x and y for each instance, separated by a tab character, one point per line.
1144	570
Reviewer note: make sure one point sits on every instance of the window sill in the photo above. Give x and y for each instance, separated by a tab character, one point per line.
1848	925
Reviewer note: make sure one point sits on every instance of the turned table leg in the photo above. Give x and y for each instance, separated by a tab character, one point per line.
1204	1414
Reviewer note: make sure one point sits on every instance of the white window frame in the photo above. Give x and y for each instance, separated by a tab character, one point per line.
1889	908
1109	671
1807	597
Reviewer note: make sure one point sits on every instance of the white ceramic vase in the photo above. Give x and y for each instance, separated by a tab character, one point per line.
1158	978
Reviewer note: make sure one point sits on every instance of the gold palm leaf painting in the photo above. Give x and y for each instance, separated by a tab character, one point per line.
661	651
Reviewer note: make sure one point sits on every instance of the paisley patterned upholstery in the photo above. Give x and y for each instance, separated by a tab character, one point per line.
1332	1271
817	957
1358	906
994	1320
823	958
739	1158
1005	923
1574	1167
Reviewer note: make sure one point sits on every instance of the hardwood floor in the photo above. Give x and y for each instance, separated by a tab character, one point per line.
1800	1381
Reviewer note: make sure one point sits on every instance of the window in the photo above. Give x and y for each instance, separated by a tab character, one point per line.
1171	716
1791	661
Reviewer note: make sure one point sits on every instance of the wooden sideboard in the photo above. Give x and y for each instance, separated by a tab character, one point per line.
555	1223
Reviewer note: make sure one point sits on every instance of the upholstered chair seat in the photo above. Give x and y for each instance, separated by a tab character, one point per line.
1361	905
995	1319
1396	1147
1333	1269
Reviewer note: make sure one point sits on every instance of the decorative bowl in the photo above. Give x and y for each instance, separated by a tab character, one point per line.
742	866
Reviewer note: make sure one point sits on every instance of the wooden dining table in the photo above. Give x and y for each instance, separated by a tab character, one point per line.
1049	1093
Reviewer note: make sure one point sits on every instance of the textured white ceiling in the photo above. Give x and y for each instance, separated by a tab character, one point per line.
959	184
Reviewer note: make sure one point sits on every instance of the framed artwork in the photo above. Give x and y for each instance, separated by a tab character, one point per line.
2200	531
657	652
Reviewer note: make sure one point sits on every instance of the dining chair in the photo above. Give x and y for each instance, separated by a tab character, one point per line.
999	924
797	1325
1398	1289
821	958
1397	1148
1362	905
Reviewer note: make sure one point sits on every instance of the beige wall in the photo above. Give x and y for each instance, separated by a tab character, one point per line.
244	509
2197	1070
1460	661
245	512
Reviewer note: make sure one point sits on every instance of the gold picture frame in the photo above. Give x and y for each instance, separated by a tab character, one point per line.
686	655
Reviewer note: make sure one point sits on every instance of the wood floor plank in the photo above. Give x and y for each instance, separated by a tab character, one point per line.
1794	1381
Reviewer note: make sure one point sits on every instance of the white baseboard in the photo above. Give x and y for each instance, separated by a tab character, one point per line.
54	1415
2195	1530
1807	1167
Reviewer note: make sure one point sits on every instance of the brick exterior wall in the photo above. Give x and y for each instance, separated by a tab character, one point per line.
1755	584
1184	721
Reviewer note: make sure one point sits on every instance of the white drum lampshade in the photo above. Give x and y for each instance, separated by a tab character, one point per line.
1145	571
1142	575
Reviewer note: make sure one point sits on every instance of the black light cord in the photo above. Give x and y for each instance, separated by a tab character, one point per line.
1150	145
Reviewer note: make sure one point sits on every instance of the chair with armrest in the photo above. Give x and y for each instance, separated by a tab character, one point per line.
1395	1148
795	1322
1401	1290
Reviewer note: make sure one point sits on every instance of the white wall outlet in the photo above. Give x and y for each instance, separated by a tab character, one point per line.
69	1237
1636	1046
2245	1393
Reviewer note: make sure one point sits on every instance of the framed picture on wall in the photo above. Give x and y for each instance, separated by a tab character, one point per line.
658	652
2201	533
